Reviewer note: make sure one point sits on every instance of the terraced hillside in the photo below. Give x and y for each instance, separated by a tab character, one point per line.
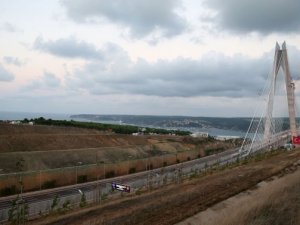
44	147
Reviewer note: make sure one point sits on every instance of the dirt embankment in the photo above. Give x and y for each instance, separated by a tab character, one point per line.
46	147
274	202
25	138
174	203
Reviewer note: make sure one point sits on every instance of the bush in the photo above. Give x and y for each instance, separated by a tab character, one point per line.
18	211
82	179
150	167
210	151
8	191
66	206
83	202
132	170
110	174
54	204
49	184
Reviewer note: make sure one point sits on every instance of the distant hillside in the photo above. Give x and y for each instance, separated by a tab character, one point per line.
239	124
176	122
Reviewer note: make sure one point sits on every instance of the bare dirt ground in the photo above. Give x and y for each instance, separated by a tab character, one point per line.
47	147
175	203
275	201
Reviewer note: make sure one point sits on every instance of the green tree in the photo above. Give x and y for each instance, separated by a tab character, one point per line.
18	213
83	202
66	205
54	204
20	167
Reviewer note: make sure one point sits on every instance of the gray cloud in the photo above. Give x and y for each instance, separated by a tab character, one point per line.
50	80
5	75
12	60
265	16
68	48
213	75
8	27
46	81
140	16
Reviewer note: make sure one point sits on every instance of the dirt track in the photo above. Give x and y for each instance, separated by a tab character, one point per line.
177	202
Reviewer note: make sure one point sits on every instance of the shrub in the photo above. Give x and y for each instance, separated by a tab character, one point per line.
82	179
110	174
132	170
66	205
49	184
83	202
18	211
150	167
8	191
54	203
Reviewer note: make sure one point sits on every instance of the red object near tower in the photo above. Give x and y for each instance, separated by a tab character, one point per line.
296	140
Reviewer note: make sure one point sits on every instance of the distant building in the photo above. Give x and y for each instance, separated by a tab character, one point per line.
224	138
138	134
31	123
199	134
15	122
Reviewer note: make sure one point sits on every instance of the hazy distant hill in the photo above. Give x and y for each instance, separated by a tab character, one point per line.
239	124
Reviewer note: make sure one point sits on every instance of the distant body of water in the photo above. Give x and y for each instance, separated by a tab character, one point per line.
29	115
210	131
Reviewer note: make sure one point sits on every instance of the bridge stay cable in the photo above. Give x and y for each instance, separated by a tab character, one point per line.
267	130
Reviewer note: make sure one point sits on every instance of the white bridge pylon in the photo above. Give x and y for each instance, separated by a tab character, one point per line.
262	134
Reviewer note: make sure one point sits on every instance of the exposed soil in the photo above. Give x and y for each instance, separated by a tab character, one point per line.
174	203
275	201
47	147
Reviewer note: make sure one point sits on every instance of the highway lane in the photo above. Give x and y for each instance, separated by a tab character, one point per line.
136	180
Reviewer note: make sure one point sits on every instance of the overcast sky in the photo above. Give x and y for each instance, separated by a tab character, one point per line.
150	57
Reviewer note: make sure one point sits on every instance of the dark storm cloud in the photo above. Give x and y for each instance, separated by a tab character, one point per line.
68	48
265	16
5	75
140	16
212	75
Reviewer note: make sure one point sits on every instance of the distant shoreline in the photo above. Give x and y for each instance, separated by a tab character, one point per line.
164	122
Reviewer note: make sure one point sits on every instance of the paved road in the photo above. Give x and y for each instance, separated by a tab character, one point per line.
40	201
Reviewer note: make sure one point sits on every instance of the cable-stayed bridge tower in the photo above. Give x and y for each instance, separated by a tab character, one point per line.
266	131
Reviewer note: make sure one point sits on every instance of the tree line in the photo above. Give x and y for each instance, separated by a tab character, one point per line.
119	129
